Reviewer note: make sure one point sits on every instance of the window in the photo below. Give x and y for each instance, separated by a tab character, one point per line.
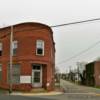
15	73
0	72
15	46
36	77
36	67
0	49
39	47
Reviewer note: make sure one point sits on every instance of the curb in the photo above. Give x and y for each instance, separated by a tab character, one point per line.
37	94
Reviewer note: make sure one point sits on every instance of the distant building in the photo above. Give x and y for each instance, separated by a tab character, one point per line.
33	57
92	73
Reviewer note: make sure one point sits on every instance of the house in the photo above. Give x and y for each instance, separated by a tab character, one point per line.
33	57
92	73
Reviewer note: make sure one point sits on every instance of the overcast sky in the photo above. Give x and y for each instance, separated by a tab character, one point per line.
69	40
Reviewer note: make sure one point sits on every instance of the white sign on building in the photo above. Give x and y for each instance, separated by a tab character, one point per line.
25	79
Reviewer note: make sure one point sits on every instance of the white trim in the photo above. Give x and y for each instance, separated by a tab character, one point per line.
37	84
0	67
15	44
1	46
42	41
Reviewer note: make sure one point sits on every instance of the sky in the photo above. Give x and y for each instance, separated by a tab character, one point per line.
70	40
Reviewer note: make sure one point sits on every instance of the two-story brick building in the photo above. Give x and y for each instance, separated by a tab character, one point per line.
92	74
33	57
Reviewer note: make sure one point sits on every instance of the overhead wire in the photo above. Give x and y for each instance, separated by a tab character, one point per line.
67	24
77	22
80	53
57	26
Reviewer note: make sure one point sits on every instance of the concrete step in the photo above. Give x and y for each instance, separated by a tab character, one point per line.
38	90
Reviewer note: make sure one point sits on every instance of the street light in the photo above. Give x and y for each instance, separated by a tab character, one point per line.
11	53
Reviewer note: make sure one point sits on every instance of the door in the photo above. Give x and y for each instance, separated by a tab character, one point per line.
37	76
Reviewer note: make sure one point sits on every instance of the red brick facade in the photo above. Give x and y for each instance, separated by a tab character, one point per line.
97	73
27	34
93	74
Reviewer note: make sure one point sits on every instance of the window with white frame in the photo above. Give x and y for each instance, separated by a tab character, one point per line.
39	47
14	46
0	72
0	49
15	73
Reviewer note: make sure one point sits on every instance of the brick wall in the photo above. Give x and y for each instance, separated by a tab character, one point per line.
26	34
97	73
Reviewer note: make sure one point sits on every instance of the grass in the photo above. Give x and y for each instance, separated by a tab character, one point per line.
98	87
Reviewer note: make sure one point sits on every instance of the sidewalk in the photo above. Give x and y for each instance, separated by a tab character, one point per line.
37	94
57	91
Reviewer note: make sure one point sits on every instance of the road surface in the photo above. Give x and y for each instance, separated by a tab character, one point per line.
72	92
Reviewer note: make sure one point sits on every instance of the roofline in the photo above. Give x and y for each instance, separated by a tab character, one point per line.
25	23
31	23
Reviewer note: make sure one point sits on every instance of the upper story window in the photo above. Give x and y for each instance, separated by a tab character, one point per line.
40	47
0	49
15	46
0	72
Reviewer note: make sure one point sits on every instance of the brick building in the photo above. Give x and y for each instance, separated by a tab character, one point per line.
93	73
33	57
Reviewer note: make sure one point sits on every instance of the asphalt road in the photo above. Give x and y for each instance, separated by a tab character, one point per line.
56	97
72	92
74	88
76	92
7	97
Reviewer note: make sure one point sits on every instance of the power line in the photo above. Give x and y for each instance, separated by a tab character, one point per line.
56	26
66	24
77	22
80	53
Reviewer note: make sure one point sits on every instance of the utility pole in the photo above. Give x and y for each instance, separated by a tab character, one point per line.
11	62
78	65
